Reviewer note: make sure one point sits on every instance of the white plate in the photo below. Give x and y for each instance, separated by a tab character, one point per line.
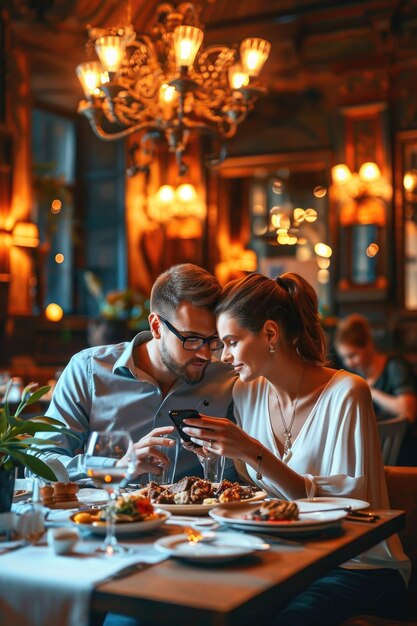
127	528
225	547
92	496
203	509
327	502
313	523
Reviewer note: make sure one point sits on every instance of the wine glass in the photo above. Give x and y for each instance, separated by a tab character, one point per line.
109	462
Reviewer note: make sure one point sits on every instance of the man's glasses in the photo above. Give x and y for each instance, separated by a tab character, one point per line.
194	342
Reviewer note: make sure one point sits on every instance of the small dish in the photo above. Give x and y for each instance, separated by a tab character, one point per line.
226	546
62	540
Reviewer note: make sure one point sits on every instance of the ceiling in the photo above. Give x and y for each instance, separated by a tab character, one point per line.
311	40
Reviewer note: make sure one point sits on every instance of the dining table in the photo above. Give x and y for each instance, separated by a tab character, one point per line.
244	591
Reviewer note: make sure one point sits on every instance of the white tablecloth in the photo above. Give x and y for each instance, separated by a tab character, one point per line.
39	588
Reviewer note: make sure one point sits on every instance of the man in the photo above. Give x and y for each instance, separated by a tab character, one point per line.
132	386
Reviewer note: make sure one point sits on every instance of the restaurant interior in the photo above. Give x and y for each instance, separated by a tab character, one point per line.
284	139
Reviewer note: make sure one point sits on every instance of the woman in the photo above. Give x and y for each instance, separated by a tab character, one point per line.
390	378
303	429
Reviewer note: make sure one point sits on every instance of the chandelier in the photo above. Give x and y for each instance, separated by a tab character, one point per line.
163	83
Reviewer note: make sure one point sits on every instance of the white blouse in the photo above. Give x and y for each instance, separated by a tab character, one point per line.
337	451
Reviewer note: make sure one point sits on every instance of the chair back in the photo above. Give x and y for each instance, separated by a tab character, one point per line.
391	433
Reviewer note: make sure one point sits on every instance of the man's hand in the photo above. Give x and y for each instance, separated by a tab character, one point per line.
147	457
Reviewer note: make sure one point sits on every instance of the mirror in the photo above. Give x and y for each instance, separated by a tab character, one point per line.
276	207
406	216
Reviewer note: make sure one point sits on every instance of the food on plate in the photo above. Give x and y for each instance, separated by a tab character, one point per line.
194	490
127	508
274	511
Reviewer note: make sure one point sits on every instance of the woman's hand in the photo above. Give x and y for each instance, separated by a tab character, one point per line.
221	436
147	457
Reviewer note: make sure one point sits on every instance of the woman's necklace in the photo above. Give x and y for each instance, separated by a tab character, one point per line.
288	428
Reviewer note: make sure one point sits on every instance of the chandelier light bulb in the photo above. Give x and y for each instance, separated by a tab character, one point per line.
341	174
89	75
187	41
237	77
369	172
253	53
167	93
110	50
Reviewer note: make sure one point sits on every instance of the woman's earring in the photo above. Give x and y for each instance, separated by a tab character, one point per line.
271	348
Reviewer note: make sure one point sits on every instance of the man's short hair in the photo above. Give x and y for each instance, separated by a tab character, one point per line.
184	283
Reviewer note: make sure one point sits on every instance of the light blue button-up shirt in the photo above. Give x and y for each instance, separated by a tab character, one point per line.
102	389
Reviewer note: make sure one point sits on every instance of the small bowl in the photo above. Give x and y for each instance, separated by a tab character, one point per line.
62	540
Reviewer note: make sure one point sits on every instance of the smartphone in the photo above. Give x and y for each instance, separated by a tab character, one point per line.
178	416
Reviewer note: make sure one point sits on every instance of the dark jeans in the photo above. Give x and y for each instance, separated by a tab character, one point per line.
330	600
344	593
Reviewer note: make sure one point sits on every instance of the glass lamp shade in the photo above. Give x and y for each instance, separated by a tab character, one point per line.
253	53
91	77
187	41
110	50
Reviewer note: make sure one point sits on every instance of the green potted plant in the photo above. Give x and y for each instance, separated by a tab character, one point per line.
19	444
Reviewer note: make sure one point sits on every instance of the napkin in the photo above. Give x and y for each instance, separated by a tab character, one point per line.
38	588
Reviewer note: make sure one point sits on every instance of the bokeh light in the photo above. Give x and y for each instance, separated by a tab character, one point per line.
54	312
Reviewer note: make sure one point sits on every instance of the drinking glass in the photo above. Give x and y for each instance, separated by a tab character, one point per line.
167	475
109	462
213	467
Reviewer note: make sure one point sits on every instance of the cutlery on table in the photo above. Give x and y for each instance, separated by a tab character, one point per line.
352	513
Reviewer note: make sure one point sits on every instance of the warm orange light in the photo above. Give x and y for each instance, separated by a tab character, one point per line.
54	312
322	249
59	258
56	206
369	172
237	77
187	41
319	191
186	193
91	76
372	250
165	194
410	180
110	50
341	174
253	53
25	234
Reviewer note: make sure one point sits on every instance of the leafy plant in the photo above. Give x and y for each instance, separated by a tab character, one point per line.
18	442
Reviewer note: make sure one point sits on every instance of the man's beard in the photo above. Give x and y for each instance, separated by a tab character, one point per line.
180	370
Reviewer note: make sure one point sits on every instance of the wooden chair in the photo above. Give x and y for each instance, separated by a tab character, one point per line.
391	433
402	491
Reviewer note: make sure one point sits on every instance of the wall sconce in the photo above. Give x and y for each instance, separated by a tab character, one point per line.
171	203
362	195
363	198
25	235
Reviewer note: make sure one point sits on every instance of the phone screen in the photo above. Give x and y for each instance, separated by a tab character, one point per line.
178	416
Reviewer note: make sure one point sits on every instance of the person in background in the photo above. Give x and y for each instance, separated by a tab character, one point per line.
390	378
132	386
302	430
